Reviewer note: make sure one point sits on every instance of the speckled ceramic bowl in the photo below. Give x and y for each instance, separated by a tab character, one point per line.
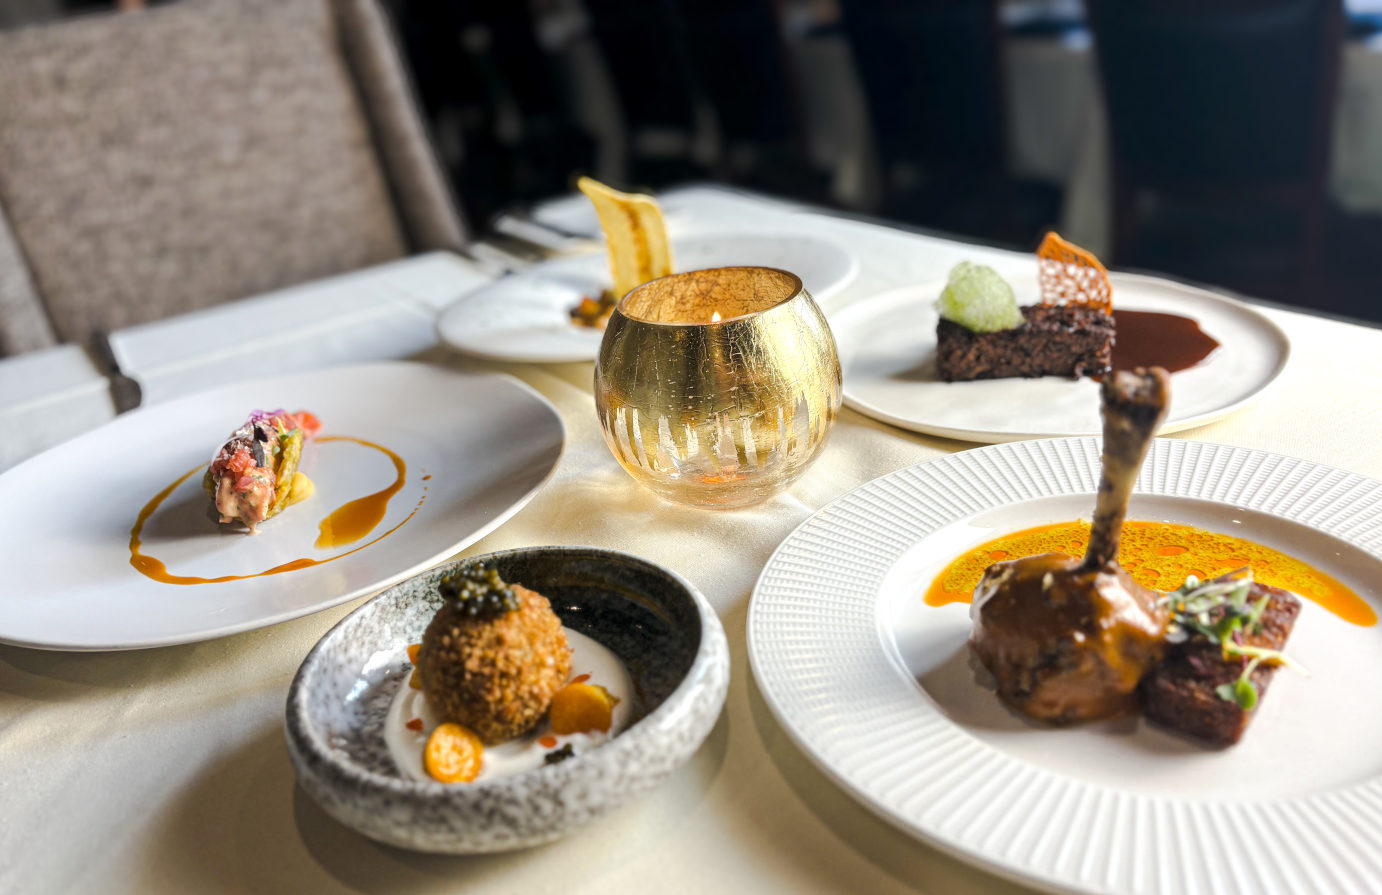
664	631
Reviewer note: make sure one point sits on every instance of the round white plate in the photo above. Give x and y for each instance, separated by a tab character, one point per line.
525	316
887	353
877	688
477	447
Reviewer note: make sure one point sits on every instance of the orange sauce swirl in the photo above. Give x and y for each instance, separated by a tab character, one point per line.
352	521
348	523
1159	555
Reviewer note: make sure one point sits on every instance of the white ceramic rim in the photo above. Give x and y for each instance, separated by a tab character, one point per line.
1324	841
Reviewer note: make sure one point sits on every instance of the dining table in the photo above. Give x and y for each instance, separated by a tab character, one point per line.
165	770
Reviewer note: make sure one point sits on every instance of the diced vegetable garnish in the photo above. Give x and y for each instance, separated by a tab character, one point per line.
308	423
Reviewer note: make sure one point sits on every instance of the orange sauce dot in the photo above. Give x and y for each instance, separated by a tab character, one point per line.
580	679
414	724
547	742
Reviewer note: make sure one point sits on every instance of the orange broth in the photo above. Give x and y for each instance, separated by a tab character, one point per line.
1159	555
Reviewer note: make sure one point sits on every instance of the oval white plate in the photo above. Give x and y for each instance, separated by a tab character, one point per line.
887	353
876	687
525	317
485	443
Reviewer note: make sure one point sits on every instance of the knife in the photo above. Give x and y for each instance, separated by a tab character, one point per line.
125	391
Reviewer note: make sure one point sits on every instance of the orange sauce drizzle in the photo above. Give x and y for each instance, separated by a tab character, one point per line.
352	521
1159	555
154	568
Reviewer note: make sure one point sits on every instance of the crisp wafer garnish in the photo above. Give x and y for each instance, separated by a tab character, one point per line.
638	248
1069	275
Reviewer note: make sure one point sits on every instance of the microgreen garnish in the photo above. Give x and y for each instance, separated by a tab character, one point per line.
1219	611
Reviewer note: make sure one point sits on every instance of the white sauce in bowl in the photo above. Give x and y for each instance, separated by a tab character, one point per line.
588	657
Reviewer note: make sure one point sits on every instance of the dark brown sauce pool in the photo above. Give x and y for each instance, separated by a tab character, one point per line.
346	524
1152	339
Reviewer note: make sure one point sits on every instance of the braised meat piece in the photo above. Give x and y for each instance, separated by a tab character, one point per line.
1070	639
1192	690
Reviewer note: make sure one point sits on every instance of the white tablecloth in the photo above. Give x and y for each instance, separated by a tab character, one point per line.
165	770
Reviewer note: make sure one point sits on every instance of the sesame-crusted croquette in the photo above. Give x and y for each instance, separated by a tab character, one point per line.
493	656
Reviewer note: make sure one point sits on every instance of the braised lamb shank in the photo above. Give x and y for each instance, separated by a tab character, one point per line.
1069	639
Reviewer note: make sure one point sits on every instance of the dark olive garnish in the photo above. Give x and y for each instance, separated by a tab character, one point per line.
557	755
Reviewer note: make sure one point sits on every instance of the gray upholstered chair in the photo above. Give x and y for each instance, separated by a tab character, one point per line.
163	161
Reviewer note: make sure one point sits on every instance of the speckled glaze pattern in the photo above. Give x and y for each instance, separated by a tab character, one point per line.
665	632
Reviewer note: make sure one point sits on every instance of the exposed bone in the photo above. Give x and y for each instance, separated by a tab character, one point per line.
1069	639
1135	403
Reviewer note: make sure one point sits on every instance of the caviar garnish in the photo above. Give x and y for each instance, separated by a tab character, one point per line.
478	590
557	755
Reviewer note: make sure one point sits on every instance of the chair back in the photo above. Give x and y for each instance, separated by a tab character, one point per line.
647	62
163	161
933	74
1222	93
739	58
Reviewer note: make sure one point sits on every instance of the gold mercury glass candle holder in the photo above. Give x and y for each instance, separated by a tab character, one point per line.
717	388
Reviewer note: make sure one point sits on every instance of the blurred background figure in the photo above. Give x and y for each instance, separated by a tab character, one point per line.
1221	120
1234	142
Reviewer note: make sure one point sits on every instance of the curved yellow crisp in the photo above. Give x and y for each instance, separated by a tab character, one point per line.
637	238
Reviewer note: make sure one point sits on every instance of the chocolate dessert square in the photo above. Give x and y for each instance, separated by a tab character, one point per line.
1056	340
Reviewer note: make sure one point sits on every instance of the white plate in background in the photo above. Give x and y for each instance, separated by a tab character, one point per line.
526	316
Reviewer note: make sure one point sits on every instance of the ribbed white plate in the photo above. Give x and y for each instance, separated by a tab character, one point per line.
877	687
888	344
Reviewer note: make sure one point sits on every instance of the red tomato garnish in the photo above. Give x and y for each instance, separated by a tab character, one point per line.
308	423
240	462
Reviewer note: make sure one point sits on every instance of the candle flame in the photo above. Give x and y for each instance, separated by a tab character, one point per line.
714	316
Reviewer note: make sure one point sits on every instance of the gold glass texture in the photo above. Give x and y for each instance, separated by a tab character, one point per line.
717	388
